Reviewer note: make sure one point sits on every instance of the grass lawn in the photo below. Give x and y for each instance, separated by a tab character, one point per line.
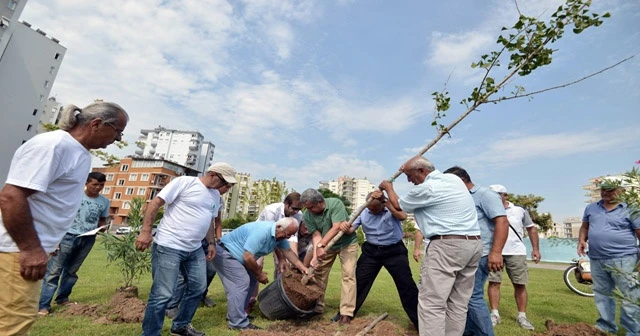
548	298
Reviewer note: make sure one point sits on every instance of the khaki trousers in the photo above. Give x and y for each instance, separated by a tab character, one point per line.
348	259
447	276
19	299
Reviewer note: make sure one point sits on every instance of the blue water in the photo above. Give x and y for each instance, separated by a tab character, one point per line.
555	249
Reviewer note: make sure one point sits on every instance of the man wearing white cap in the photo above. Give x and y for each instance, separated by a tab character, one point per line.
514	254
192	205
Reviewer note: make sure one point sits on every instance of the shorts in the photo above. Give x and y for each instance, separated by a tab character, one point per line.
516	266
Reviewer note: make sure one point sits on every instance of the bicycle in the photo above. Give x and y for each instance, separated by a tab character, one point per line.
578	277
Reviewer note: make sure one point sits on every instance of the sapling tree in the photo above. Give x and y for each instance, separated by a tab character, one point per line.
522	49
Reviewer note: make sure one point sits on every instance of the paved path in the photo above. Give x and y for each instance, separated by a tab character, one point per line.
553	266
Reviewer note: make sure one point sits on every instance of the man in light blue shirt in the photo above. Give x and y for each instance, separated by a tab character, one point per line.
494	228
235	262
382	226
446	215
613	233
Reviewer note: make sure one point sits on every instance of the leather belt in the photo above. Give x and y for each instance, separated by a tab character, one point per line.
224	247
436	237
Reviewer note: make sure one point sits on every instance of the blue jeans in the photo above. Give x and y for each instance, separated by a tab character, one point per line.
606	276
166	264
239	283
179	290
63	267
478	319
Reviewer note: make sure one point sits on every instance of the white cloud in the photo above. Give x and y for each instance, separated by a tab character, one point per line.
516	150
452	50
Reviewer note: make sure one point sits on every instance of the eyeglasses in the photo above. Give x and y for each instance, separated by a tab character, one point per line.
224	182
296	209
119	132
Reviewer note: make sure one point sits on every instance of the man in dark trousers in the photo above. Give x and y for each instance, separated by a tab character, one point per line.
382	226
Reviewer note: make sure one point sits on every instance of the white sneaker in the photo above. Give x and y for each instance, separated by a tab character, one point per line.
495	319
523	322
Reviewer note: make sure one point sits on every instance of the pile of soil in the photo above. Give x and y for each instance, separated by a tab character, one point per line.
577	329
304	297
123	308
316	327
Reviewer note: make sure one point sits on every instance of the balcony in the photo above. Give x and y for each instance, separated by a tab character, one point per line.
139	152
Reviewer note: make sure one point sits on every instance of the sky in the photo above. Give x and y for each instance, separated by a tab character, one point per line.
310	90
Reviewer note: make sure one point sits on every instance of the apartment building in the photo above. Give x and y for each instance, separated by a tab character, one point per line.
353	189
29	63
50	114
187	148
236	200
592	189
137	177
571	227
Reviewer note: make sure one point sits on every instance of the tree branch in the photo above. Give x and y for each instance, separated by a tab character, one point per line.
562	85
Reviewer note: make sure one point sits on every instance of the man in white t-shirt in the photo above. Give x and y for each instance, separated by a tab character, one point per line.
515	260
191	207
42	195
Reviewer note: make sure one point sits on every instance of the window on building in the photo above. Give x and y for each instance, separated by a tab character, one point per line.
41	97
117	195
125	167
29	127
35	111
46	84
129	191
52	70
56	56
106	190
120	182
4	22
126	205
142	191
144	177
109	177
133	177
12	4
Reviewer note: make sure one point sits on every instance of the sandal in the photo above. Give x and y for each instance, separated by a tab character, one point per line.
43	312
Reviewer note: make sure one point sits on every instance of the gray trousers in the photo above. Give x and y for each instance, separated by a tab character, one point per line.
238	284
447	274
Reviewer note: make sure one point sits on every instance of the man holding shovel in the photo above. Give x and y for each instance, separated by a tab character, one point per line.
381	223
321	216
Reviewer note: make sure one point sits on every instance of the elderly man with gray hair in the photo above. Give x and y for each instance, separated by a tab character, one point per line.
321	216
235	262
42	195
446	215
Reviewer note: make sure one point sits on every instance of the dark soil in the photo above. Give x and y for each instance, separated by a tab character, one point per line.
304	297
578	329
316	327
123	308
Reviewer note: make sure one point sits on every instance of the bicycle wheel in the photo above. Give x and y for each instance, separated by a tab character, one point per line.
573	284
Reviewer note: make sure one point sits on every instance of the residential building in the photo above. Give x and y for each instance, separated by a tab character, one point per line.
29	63
50	114
10	11
236	200
186	148
571	227
355	190
556	230
137	177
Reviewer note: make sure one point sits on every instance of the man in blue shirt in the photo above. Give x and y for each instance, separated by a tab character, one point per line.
74	248
235	262
381	223
613	236
446	215
494	228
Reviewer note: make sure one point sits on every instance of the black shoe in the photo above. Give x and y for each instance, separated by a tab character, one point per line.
249	326
208	302
336	318
189	330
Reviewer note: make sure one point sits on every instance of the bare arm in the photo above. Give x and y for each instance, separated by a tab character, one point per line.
18	221
535	244
583	236
398	214
417	247
293	259
252	265
391	194
500	234
145	238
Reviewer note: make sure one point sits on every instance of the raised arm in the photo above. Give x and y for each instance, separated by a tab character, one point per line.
145	238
